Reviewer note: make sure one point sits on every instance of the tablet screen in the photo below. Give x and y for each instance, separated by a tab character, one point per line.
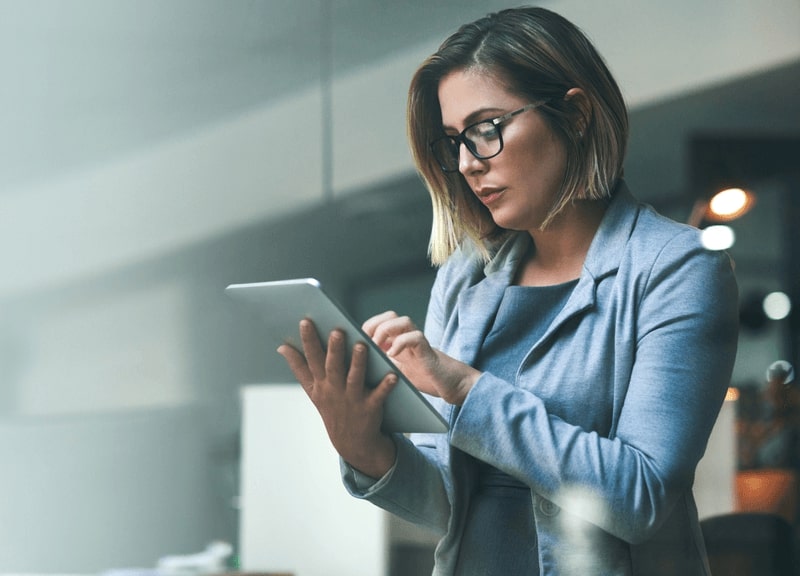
282	304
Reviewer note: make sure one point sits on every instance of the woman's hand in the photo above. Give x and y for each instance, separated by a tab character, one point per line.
352	413
430	370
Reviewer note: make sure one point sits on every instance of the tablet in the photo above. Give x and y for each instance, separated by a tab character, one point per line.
284	303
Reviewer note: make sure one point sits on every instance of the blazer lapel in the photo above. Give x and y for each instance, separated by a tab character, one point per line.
477	305
603	257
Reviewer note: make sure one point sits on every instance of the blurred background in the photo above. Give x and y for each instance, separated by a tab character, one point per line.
153	152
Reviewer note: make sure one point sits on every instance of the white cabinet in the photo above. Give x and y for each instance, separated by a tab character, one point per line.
296	515
715	479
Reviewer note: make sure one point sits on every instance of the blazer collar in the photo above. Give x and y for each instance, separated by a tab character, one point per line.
478	304
608	246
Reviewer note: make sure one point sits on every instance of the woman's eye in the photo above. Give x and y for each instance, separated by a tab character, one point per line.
485	131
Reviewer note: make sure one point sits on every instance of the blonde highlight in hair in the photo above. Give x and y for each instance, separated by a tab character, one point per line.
540	56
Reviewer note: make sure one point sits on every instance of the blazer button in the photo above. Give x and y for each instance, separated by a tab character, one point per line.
548	508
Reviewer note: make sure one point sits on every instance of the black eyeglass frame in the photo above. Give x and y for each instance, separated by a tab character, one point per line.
461	138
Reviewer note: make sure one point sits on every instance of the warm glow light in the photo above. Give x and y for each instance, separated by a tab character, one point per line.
717	237
732	395
777	305
729	204
728	201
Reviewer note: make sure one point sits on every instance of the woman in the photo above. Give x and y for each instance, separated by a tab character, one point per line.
579	344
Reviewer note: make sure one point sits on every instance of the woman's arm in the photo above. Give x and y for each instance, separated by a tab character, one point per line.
685	312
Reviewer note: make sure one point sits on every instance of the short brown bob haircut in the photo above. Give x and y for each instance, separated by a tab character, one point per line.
539	55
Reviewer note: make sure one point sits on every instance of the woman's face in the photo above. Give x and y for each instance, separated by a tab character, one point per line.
519	185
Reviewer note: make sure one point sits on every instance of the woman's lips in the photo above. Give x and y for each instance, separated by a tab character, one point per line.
489	195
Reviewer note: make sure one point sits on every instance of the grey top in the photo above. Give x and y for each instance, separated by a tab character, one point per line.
499	535
515	329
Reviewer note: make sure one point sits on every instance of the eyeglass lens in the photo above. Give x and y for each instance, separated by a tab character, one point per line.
483	140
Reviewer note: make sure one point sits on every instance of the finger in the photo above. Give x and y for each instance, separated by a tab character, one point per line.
315	355
297	364
358	370
386	333
414	340
370	325
379	394
335	358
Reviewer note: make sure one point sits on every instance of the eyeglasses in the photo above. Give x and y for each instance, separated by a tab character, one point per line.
483	139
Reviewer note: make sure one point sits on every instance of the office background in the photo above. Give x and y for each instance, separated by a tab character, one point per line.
153	152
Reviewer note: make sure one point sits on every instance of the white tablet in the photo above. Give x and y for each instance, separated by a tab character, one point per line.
284	303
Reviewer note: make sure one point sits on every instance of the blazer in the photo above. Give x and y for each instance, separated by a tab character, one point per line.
610	411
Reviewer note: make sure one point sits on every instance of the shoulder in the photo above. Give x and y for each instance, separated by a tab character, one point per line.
650	237
665	242
639	246
668	261
653	234
642	224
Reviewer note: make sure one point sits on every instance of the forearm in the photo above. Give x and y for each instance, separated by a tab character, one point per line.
607	482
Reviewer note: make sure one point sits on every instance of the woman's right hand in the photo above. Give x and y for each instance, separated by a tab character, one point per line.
430	370
351	412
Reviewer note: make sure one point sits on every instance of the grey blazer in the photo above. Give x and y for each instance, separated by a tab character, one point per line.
609	413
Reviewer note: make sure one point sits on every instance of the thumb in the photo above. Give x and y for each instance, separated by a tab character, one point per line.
383	389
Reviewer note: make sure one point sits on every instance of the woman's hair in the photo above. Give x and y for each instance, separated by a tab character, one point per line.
537	55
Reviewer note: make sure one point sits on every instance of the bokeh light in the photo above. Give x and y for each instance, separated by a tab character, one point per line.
718	237
777	305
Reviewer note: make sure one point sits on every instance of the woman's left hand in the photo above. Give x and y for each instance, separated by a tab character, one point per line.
430	370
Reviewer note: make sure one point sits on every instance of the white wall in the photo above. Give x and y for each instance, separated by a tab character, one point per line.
142	333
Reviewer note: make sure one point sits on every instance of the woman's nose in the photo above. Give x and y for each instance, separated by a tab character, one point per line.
468	163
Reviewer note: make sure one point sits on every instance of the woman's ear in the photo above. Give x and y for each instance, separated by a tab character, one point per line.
577	97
